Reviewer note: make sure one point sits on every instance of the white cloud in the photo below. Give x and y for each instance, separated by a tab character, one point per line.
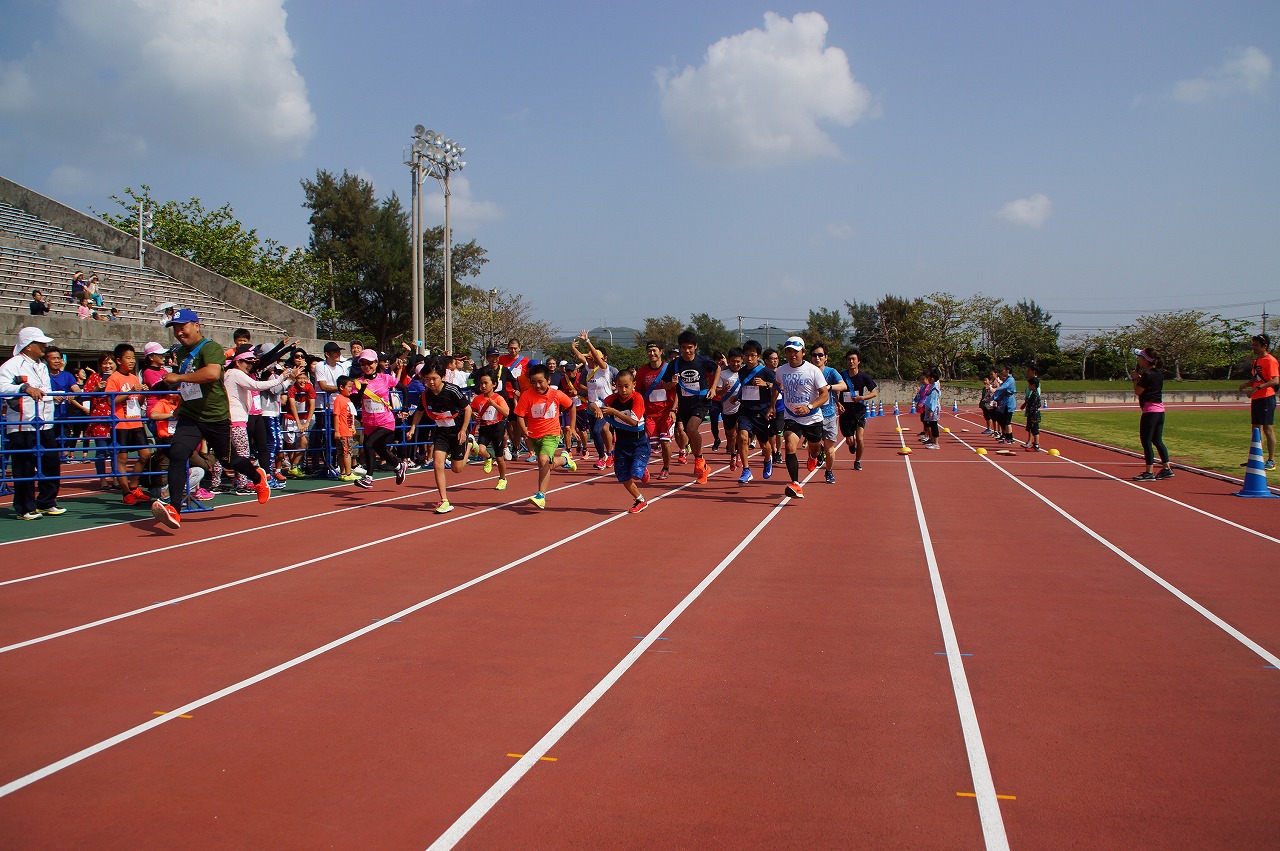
840	230
1027	212
758	97
1245	71
199	77
465	211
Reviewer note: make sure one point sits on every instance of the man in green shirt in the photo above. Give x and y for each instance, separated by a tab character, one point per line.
203	414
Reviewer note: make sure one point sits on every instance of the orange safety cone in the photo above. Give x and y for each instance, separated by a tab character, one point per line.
1255	476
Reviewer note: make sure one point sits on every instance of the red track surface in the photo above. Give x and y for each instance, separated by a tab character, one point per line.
800	700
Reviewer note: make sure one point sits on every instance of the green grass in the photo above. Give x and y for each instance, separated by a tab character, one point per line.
1061	386
1215	440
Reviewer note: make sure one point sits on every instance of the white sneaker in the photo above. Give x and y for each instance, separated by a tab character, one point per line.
359	470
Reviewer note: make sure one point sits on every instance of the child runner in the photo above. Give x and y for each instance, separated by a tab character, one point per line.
1032	407
758	393
344	427
450	412
599	380
932	408
860	388
696	376
804	392
631	449
491	413
538	413
653	381
987	403
130	434
776	442
376	420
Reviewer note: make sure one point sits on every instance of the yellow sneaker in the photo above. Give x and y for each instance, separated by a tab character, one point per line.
501	485
488	464
538	500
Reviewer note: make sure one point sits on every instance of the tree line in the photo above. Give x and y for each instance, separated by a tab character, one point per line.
354	277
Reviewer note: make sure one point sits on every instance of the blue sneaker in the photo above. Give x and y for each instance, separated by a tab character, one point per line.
745	477
768	467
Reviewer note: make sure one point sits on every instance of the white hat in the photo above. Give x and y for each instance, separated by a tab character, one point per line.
794	343
27	336
153	349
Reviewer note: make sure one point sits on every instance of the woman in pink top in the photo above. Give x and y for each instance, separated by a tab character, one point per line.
373	389
242	391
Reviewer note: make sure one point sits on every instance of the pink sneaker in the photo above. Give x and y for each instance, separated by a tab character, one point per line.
600	465
203	494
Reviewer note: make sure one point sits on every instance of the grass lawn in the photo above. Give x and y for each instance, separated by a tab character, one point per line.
1215	440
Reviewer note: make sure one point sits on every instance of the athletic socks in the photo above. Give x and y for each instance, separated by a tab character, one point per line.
793	466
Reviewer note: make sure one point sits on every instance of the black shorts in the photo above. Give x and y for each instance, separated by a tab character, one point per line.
730	420
447	440
754	424
812	432
132	438
851	421
1004	418
1263	411
493	435
690	407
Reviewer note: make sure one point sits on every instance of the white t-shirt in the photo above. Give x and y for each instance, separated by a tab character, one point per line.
800	386
728	384
600	383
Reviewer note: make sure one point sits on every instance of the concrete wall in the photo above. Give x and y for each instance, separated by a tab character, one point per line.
124	245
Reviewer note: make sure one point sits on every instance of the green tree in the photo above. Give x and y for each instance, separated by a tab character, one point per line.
712	334
828	328
480	322
945	332
663	330
1185	339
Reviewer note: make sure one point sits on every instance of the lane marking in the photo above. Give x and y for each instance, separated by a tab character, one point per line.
133	732
1239	636
993	832
469	819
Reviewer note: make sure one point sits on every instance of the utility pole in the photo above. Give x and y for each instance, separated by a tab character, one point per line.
739	329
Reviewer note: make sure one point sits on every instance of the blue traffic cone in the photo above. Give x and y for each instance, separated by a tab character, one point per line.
913	407
1255	476
955	406
880	410
1044	402
896	413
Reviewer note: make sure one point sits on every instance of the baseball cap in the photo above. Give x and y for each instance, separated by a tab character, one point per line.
1142	353
332	347
29	335
369	355
182	316
153	349
794	343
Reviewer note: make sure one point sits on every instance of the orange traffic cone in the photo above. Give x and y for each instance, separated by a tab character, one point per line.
1255	476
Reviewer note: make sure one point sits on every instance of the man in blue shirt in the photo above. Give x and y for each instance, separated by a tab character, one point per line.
1006	402
830	425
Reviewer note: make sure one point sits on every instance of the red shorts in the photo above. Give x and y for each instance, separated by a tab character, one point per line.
661	427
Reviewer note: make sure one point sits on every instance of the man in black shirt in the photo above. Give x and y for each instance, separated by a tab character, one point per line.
39	307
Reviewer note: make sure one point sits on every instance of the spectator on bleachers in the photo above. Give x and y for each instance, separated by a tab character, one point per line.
114	315
92	289
30	422
39	307
83	310
165	310
77	286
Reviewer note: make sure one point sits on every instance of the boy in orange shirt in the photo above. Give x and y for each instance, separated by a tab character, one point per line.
344	427
491	417
130	435
538	415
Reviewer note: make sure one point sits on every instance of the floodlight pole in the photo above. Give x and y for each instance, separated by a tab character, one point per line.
444	156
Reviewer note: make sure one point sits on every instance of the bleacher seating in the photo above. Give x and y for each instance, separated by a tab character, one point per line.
134	292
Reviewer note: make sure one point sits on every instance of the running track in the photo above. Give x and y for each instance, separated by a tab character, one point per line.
943	652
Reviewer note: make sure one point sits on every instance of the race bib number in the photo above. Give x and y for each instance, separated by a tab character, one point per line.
132	409
490	415
372	407
189	392
850	397
751	393
538	411
659	395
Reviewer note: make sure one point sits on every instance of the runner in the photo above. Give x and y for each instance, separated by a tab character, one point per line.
860	389
539	414
757	397
1148	386
444	404
696	376
625	412
653	381
804	391
830	428
490	412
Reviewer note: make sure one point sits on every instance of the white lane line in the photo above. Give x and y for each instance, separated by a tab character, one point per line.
1150	491
984	787
187	708
1248	642
486	802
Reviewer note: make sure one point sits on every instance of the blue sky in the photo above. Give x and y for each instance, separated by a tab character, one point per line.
633	159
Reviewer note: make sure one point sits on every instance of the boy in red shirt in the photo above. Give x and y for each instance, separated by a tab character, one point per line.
538	415
344	427
129	432
625	414
1262	385
491	418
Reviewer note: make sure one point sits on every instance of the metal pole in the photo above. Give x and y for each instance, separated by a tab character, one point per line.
142	214
417	253
448	270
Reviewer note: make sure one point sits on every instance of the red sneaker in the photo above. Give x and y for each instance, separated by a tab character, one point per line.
263	487
608	460
795	491
645	478
131	498
280	476
700	470
812	463
166	514
640	505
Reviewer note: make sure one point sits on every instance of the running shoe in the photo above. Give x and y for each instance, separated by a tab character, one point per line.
274	485
365	482
733	463
443	507
348	477
203	495
768	468
280	476
746	476
794	491
681	458
812	463
777	457
296	473
571	465
430	465
638	506
831	477
532	459
30	515
715	447
166	514
700	470
1165	473
506	453
131	498
262	488
645	477
931	445
538	500
402	469
501	485
359	470
663	473
244	492
1144	477
1270	465
56	511
857	465
599	465
488	464
608	460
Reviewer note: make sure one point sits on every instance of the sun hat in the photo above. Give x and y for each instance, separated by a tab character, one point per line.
27	336
794	343
369	355
153	349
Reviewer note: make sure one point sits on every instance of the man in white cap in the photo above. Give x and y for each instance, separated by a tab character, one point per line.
804	392
29	424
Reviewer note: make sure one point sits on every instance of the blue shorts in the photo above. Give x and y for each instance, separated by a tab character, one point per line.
630	458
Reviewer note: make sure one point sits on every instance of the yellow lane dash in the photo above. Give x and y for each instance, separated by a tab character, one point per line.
541	758
998	797
162	712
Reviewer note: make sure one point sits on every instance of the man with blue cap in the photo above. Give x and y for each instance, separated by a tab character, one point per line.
203	414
